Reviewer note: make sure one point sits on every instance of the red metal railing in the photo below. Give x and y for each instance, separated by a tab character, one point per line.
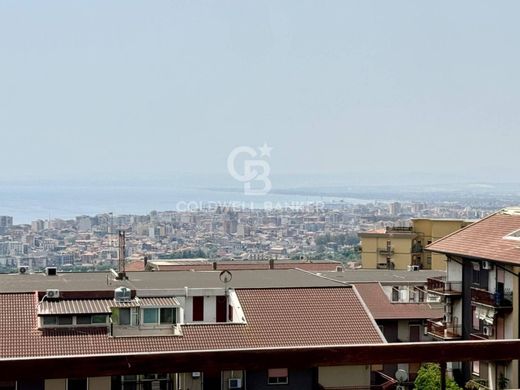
485	297
442	330
439	284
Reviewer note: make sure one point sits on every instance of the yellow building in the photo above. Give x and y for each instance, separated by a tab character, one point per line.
402	247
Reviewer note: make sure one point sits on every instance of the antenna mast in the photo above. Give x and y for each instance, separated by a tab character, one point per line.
121	266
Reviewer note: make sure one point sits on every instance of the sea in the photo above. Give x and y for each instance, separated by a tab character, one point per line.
30	201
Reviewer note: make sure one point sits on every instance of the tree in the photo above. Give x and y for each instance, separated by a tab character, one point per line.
429	378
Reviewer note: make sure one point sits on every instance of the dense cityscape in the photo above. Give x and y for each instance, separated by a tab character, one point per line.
315	232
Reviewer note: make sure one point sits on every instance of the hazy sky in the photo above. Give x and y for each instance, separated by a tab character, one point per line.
162	87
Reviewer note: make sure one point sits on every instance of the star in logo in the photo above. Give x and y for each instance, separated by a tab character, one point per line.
265	150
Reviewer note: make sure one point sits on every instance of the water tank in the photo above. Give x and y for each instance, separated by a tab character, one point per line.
122	294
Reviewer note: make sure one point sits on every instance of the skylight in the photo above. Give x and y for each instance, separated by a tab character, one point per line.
513	236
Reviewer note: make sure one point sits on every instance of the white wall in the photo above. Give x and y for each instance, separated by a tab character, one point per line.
454	271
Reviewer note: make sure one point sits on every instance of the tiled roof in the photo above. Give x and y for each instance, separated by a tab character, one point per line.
275	318
485	239
382	309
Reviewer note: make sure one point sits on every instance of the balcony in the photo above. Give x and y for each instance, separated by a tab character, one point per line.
439	285
385	252
438	329
497	300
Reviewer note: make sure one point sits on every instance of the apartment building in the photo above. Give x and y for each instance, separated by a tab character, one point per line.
161	330
402	247
480	292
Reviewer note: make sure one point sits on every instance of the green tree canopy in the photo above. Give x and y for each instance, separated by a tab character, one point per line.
429	378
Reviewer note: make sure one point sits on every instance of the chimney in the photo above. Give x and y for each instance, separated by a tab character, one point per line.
271	263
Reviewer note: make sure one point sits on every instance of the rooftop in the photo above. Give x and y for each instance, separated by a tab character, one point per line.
103	281
491	238
383	276
275	318
207	265
382	309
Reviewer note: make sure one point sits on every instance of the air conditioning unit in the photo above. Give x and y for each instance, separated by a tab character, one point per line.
447	318
235	383
53	293
488	330
487	265
23	269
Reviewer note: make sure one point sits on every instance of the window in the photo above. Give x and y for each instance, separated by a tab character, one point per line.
277	376
83	320
124	316
198	308
150	316
77	384
99	319
395	294
475	276
49	320
168	315
64	320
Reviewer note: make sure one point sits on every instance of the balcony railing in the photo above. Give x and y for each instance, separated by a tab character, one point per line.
439	329
385	252
497	300
440	285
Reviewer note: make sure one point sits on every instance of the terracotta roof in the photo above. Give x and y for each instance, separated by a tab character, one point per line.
275	318
383	309
485	239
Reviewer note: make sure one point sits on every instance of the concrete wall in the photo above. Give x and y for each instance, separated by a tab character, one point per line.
344	376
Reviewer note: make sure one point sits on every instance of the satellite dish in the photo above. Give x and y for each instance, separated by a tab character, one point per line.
401	375
225	276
